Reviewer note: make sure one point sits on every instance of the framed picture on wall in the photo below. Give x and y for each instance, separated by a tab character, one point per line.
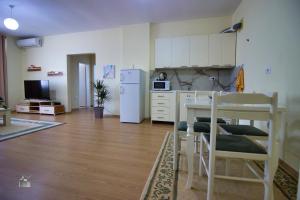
109	71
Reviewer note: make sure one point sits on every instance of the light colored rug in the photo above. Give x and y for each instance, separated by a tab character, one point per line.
165	184
21	127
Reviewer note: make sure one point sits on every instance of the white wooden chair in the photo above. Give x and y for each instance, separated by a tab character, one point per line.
234	128
298	193
180	127
250	130
240	147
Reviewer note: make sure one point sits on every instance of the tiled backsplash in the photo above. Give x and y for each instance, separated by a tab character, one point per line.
198	79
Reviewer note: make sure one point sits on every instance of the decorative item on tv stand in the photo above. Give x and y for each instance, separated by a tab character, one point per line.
48	107
102	95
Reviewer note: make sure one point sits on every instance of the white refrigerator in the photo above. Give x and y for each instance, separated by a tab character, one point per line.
132	95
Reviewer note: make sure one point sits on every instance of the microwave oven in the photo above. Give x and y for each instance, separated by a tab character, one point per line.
161	85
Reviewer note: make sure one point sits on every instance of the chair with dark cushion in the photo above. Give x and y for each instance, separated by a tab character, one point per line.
207	119
243	130
236	143
202	124
180	127
204	96
200	127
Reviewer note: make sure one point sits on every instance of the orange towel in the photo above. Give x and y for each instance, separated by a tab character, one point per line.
239	84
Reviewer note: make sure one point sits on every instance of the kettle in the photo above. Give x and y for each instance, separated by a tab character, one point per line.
162	76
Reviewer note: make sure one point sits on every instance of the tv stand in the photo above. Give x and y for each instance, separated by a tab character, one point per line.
40	107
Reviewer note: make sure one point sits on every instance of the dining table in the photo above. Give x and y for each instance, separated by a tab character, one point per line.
202	108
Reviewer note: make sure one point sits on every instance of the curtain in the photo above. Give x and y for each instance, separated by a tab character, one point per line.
3	72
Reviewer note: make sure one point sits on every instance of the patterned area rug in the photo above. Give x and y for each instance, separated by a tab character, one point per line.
21	127
165	184
161	184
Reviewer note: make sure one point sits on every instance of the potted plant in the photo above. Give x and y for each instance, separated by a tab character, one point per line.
102	95
2	104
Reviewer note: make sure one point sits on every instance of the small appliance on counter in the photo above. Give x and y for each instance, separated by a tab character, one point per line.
161	83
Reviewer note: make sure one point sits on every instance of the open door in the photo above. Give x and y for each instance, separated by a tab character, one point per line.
84	85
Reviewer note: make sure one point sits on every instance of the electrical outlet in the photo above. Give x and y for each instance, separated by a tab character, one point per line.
212	78
268	70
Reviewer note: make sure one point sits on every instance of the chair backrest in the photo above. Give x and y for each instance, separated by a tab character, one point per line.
298	193
250	106
177	110
245	98
241	104
202	96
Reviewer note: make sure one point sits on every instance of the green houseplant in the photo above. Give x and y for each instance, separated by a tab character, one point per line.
2	103
102	95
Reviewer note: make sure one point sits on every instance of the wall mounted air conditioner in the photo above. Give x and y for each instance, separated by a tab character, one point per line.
30	42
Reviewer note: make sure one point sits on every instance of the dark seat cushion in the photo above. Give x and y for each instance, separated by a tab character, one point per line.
198	127
236	143
207	119
243	130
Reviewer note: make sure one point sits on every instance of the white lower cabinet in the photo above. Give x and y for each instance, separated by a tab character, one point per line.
162	106
183	97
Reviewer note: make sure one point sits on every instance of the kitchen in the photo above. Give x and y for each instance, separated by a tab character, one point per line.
188	64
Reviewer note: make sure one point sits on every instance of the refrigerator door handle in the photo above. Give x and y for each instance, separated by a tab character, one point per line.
122	90
122	77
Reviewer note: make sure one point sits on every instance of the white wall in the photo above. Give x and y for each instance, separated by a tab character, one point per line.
122	47
105	44
272	26
125	46
136	51
14	73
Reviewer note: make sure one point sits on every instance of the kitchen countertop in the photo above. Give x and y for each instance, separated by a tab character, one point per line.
162	91
171	91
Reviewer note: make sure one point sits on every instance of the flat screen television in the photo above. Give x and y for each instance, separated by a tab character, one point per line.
37	89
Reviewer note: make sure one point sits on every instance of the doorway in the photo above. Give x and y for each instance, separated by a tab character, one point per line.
80	76
84	95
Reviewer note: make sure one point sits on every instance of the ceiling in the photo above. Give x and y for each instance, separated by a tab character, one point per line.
48	17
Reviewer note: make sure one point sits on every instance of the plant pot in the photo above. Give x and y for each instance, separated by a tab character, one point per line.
98	112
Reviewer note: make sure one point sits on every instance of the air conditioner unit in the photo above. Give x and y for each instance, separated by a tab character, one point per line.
30	42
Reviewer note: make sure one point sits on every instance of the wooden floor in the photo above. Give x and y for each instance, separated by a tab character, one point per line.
85	158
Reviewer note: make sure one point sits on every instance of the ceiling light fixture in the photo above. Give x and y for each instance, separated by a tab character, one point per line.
10	22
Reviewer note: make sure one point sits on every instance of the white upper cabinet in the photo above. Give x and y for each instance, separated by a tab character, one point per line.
228	49
163	52
222	49
199	51
215	49
180	52
196	51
